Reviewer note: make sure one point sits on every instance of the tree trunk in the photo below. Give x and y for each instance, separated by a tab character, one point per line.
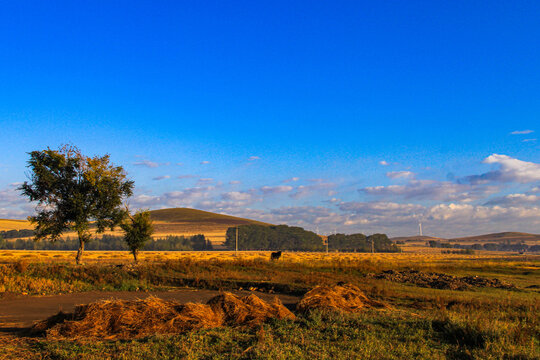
80	251
135	253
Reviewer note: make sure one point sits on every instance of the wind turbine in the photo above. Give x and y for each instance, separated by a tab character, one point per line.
419	218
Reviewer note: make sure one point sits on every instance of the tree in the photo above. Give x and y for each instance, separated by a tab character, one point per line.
73	190
138	229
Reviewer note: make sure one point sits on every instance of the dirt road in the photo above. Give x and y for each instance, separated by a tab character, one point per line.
21	312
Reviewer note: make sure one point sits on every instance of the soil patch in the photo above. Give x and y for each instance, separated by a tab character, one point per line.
440	281
129	319
342	297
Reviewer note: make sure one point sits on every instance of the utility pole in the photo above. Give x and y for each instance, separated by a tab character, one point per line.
327	244
236	248
372	246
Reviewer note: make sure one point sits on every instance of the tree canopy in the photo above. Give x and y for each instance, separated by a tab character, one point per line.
72	190
138	230
361	243
280	237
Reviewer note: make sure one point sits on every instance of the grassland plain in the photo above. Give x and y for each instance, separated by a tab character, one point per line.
423	323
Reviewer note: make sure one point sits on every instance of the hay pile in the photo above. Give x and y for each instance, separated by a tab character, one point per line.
342	298
248	310
121	319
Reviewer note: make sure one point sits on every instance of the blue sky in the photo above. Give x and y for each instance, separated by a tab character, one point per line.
347	115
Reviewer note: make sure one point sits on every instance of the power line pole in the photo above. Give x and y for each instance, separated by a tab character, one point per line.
236	249
327	244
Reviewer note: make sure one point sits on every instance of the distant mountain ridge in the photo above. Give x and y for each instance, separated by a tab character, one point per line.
502	237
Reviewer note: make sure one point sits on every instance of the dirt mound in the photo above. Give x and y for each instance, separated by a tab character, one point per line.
440	281
344	298
129	319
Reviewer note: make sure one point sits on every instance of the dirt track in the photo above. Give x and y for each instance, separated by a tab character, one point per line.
21	312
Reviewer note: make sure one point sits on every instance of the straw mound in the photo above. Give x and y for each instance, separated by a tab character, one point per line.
248	310
115	319
344	298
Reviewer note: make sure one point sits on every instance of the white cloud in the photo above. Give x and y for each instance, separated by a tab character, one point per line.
163	177
182	198
510	170
253	158
383	163
317	186
235	182
13	205
204	181
147	163
431	190
291	179
399	174
238	196
514	199
521	132
187	176
275	189
528	140
205	162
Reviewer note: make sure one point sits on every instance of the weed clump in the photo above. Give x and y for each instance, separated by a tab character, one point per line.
342	298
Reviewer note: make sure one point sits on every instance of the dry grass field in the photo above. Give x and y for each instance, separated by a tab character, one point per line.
6	224
423	320
421	303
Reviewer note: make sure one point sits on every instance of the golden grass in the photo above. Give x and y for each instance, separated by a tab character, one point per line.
7	224
313	258
342	298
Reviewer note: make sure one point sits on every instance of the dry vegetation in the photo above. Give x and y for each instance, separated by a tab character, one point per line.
415	322
120	319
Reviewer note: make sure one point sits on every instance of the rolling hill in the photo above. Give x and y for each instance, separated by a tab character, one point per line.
8	224
503	237
176	221
185	221
416	238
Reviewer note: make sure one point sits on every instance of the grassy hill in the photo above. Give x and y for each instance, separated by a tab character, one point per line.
176	221
185	221
8	224
186	215
503	237
416	238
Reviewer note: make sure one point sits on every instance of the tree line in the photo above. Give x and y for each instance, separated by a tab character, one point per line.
521	247
361	243
275	237
15	234
292	238
113	243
